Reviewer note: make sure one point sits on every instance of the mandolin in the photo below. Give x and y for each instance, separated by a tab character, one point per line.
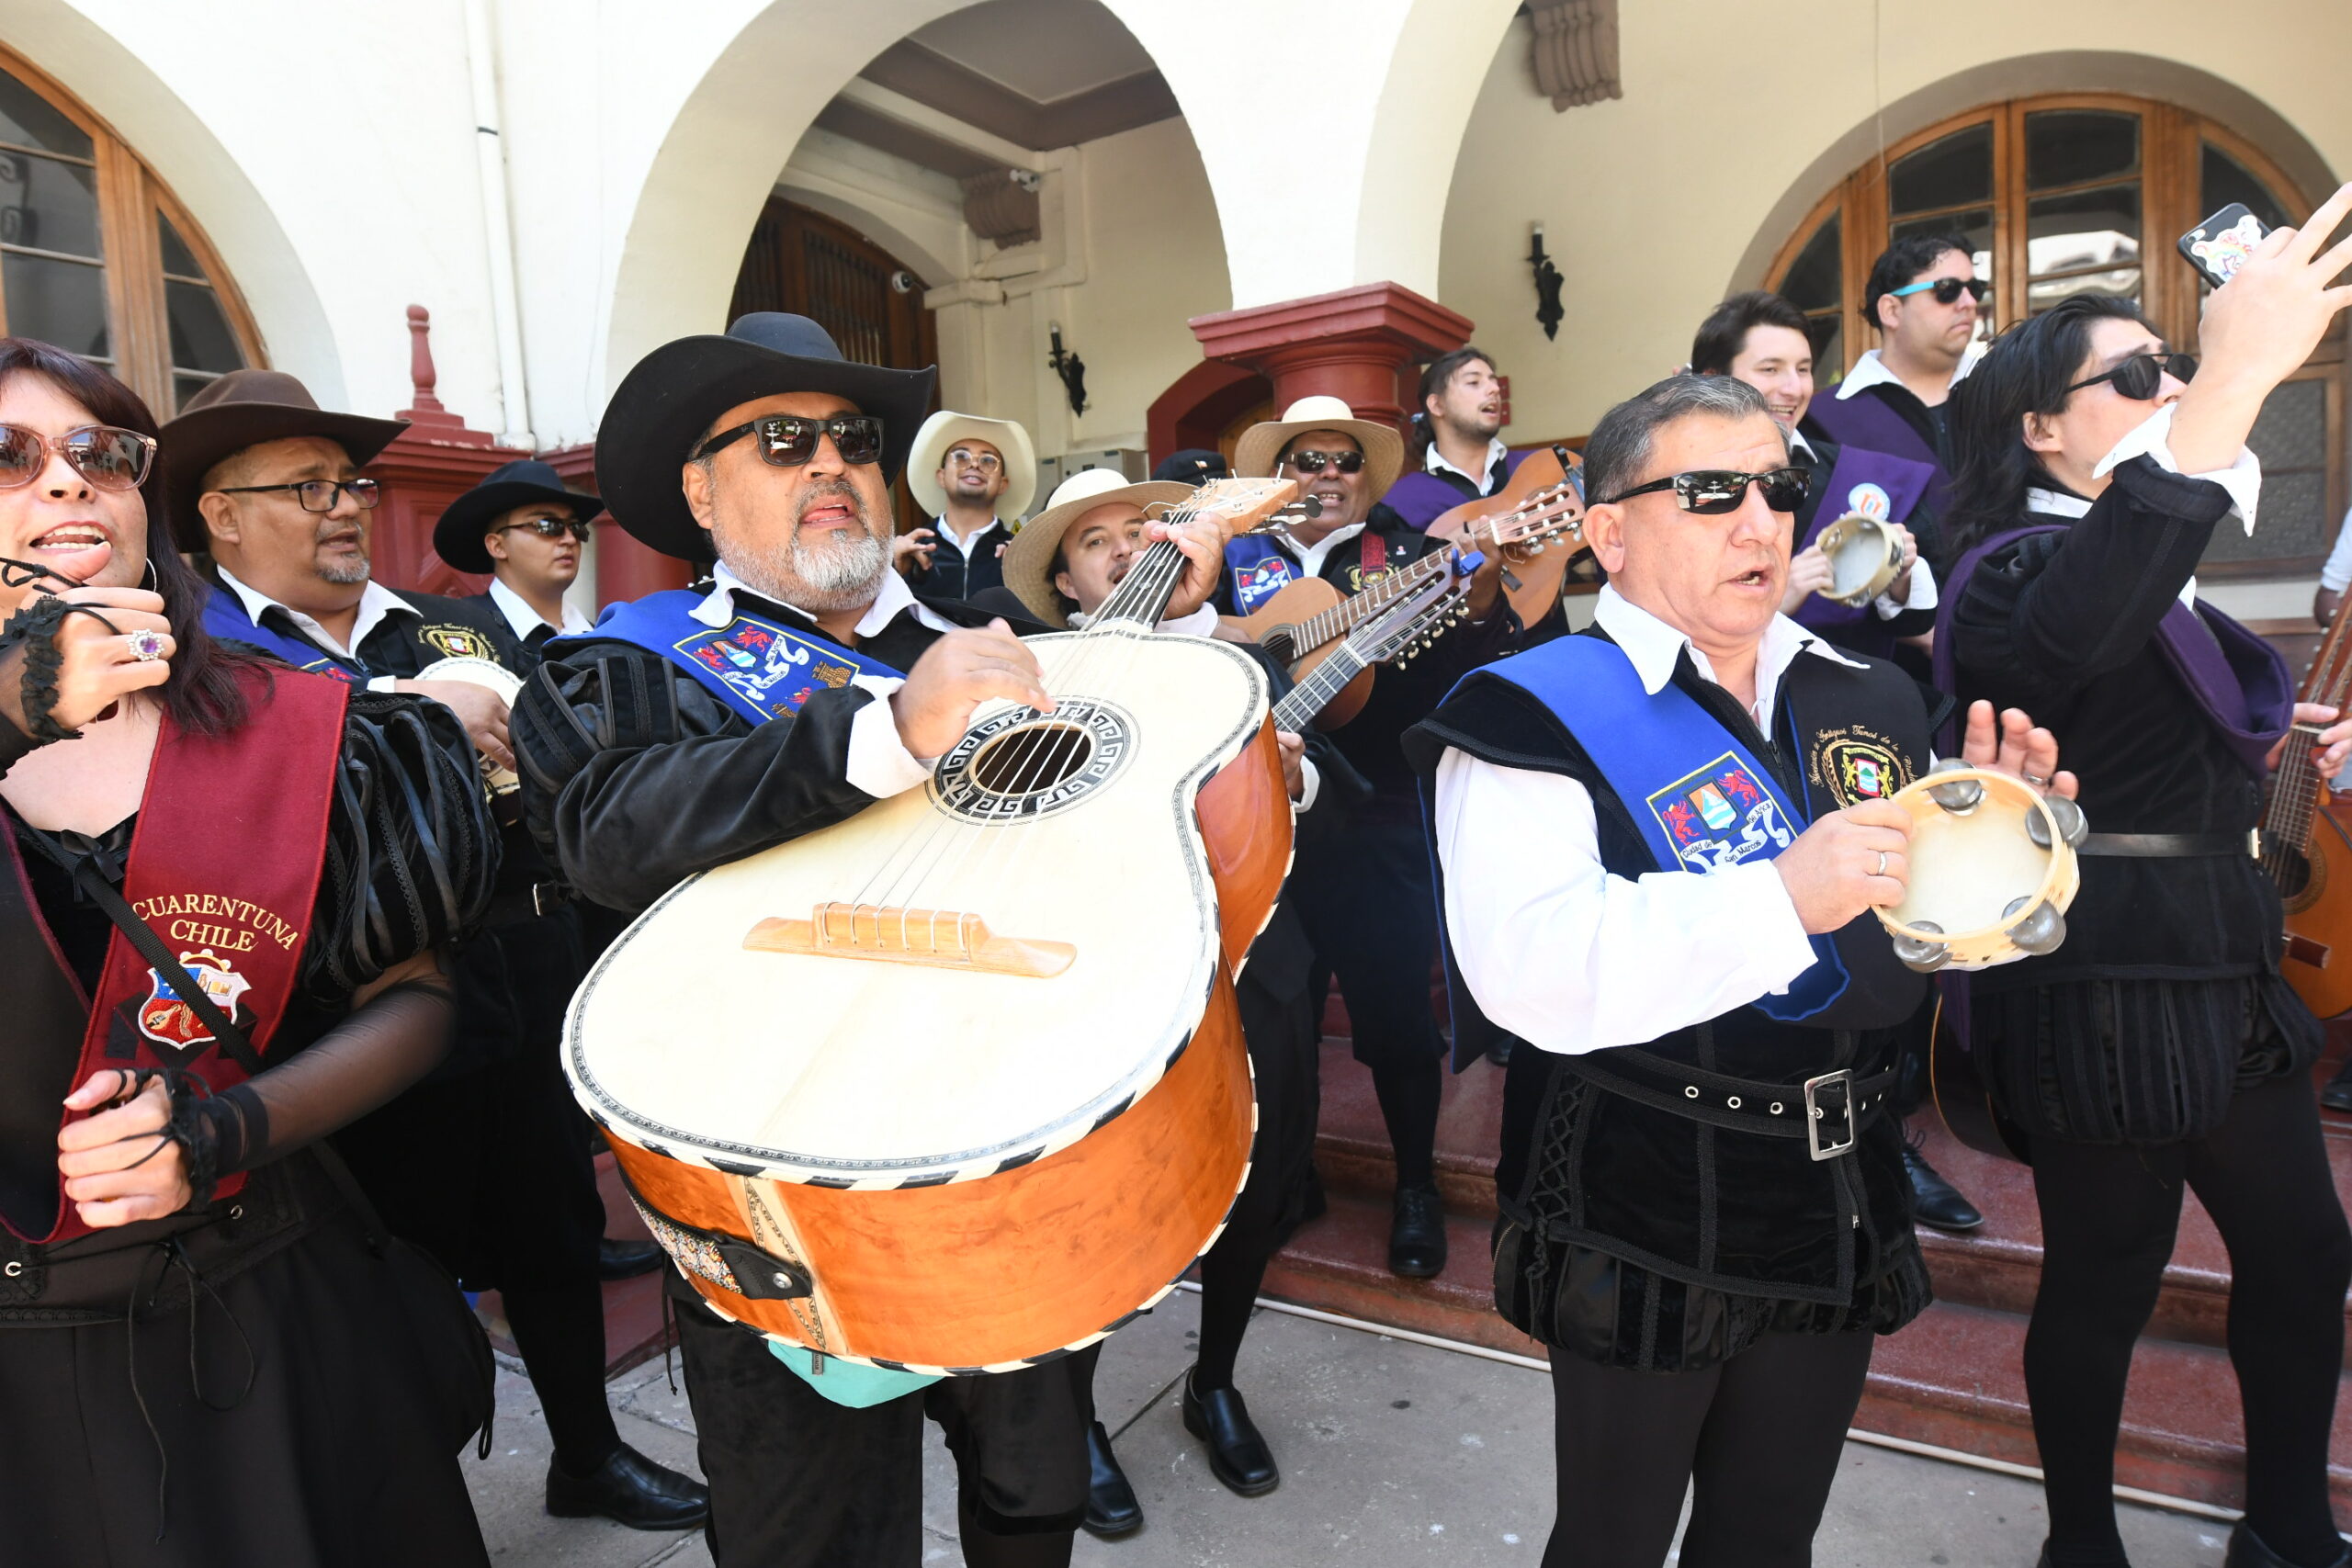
2305	848
1534	585
960	1084
1408	625
1301	624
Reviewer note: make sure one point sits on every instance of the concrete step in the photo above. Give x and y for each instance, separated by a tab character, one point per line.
1340	1263
1352	1140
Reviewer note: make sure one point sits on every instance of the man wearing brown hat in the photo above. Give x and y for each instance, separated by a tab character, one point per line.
645	761
520	524
268	483
1364	890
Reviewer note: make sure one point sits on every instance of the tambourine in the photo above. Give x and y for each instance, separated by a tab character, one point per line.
494	676
1865	557
1992	870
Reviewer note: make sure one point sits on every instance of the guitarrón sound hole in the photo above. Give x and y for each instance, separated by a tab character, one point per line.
1032	759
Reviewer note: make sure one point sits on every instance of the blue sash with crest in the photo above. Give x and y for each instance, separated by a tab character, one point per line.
1260	569
1703	802
761	670
225	618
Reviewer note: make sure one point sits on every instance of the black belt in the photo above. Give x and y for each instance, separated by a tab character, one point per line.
1813	1110
2170	846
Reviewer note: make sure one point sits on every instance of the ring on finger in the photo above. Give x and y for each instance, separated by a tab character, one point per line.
1882	864
2036	781
146	646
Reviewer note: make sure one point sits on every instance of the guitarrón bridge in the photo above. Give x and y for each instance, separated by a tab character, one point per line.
891	933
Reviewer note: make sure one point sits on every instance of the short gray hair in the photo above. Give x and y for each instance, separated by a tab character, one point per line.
1620	446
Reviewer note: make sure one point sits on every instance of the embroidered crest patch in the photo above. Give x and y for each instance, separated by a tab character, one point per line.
165	1017
766	665
1872	500
1855	765
1261	580
457	642
1720	816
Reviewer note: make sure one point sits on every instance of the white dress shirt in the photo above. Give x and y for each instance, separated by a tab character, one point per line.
1571	958
1870	370
376	603
1432	461
941	526
525	620
1311	558
2152	437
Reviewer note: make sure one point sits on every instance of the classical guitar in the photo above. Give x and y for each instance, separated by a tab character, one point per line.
2305	848
1408	625
1301	624
1533	584
959	1083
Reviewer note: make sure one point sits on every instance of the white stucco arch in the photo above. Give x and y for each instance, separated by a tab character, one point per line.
82	47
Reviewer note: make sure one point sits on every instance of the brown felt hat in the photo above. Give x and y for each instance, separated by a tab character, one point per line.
245	409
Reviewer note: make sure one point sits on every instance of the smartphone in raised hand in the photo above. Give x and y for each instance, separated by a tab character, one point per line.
2220	244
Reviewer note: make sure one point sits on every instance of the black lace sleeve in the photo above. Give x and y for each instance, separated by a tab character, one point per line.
411	852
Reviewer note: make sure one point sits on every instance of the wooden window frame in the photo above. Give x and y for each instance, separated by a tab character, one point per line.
130	196
2170	168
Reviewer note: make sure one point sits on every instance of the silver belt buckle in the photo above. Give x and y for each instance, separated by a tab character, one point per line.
1842	1079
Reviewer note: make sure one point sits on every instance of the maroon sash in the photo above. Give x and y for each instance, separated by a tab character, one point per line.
225	867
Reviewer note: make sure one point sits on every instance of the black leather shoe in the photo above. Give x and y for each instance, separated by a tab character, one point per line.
1417	1234
1934	1200
1111	1505
626	1259
2247	1551
2337	1095
1238	1455
631	1489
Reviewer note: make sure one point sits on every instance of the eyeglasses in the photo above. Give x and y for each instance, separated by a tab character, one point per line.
1711	492
2140	378
987	462
1948	289
786	439
108	458
548	528
319	495
1313	463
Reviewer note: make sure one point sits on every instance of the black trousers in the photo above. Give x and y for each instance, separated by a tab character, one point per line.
1370	907
798	1482
1757	1436
2108	1215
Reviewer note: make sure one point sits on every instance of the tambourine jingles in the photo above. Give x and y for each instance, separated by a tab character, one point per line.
1992	870
1865	556
494	676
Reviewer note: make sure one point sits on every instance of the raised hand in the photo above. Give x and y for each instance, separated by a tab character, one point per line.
1846	862
910	552
1202	538
1809	573
2017	747
956	676
99	659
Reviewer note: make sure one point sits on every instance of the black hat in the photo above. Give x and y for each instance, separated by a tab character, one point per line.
245	409
458	536
1194	466
675	392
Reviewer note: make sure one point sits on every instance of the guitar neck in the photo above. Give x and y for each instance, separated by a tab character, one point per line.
1311	696
1345	616
2294	787
1143	594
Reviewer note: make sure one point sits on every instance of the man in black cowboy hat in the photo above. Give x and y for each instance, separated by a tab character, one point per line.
522	528
268	484
643	764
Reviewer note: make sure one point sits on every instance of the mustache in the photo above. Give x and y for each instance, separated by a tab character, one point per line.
829	490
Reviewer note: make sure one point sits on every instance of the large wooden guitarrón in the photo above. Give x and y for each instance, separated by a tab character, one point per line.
966	1067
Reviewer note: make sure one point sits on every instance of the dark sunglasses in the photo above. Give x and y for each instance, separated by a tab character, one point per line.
786	439
548	528
2140	378
1947	289
108	458
1313	463
1711	492
319	495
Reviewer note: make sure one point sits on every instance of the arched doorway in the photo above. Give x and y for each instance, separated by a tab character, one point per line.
96	255
2067	193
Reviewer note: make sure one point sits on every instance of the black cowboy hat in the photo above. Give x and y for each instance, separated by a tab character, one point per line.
674	394
459	537
245	409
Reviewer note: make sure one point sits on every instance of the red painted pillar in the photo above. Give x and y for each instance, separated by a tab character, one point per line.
1363	344
624	568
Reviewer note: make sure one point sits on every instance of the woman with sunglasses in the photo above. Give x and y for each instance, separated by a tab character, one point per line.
202	1360
2159	1047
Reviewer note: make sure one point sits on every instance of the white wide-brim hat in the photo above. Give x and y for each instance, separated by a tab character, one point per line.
946	428
1028	560
1261	445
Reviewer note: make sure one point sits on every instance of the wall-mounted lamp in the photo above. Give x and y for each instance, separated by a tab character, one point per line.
1547	285
1070	369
